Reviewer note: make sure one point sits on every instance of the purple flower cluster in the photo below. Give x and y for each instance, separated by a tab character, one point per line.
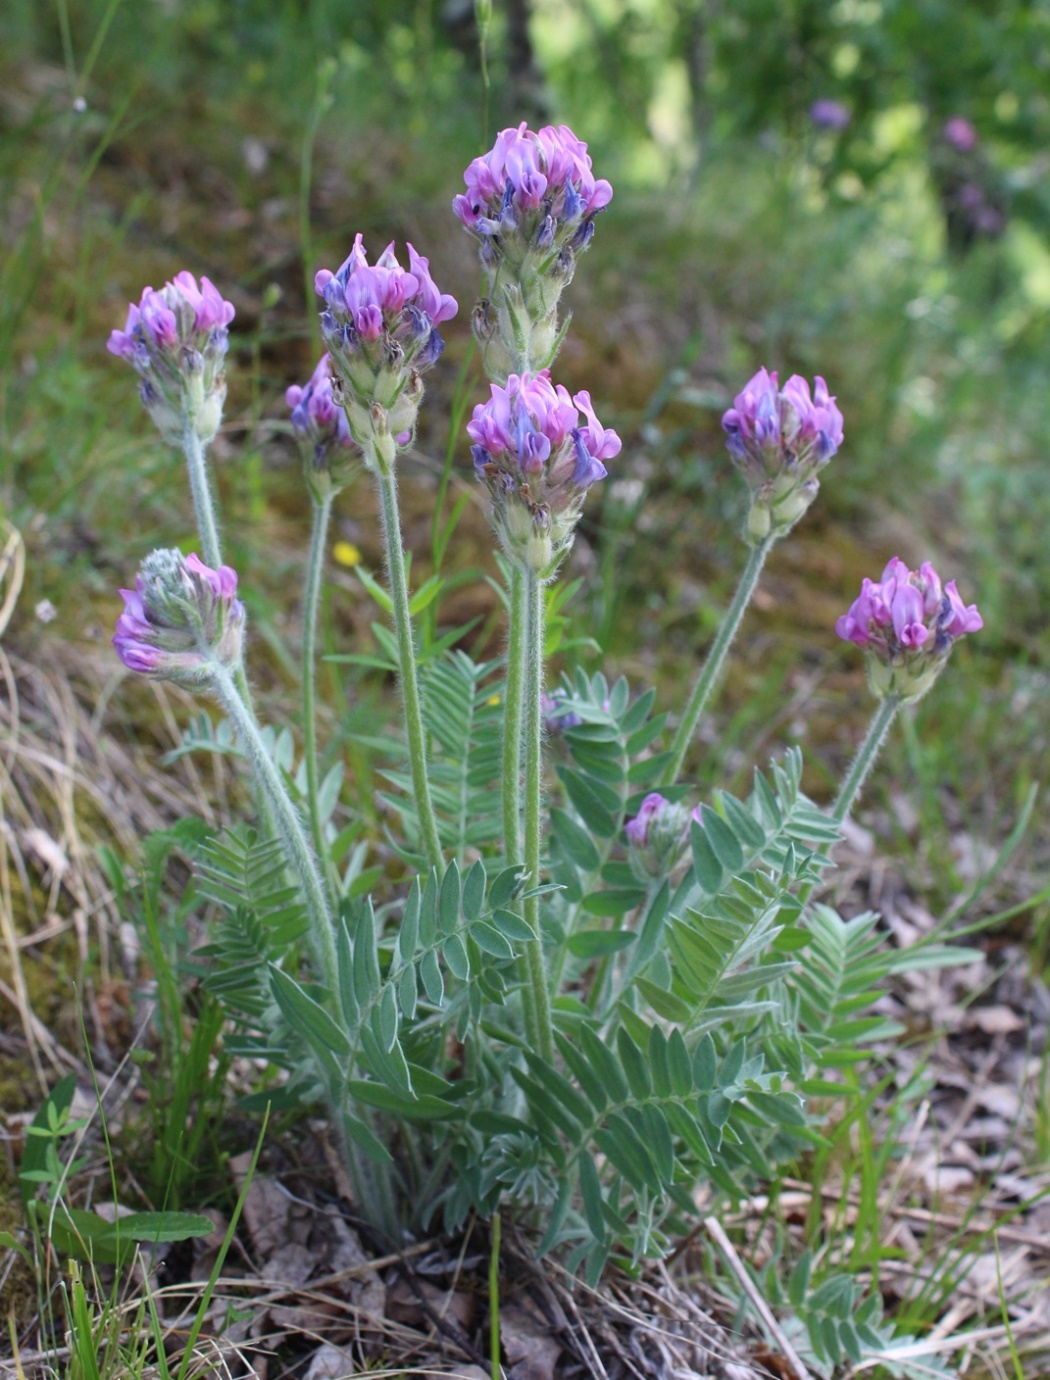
181	619
960	133
380	326
540	178
531	202
907	623
323	430
829	114
177	341
779	438
538	463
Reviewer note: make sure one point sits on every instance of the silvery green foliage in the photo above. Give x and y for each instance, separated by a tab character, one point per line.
688	1030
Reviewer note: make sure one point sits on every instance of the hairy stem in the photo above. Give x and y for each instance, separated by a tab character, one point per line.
512	717
287	824
537	997
382	465
865	758
322	511
202	499
712	667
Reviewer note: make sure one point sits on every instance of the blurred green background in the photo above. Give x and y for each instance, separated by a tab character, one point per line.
904	258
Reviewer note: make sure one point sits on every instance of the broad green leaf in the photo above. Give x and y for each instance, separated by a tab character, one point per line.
510	924
591	1194
705	1063
742	822
430	973
307	1016
408	931
584	1074
474	891
408	992
490	940
574	1102
604	1062
367	977
622	1146
550	1110
663	1002
428	910
576	841
723	841
390	1065
505	885
638	712
345	960
456	957
598	943
679	1064
657	1056
448	903
387	1018
366	1140
708	869
613	903
634	1065
583	793
425	1107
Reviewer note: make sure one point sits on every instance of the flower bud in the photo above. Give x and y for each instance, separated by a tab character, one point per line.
907	624
779	439
656	836
177	340
538	462
329	454
181	621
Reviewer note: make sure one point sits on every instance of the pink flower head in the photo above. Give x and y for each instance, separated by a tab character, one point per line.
379	325
182	619
960	133
538	462
907	622
177	341
779	438
829	114
540	178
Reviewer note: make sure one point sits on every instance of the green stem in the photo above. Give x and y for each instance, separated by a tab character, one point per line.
716	657
512	717
211	554
202	499
287	822
865	758
322	511
536	995
382	463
